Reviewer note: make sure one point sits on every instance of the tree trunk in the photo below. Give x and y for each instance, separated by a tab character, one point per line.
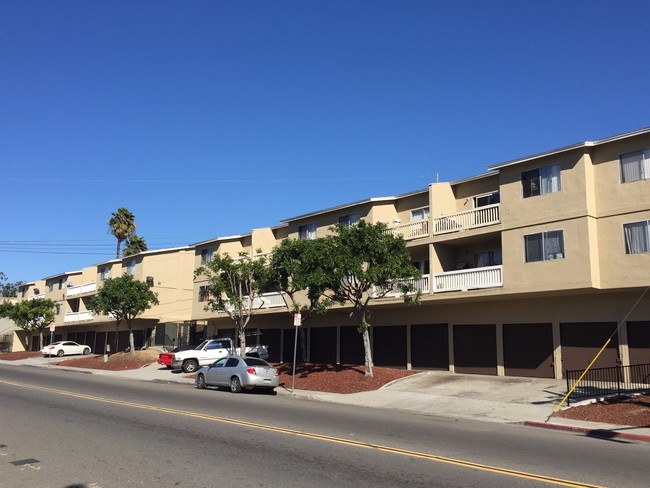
367	350
303	344
242	340
40	339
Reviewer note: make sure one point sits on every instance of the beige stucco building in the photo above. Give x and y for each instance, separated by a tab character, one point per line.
526	270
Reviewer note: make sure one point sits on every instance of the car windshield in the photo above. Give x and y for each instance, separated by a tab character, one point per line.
201	346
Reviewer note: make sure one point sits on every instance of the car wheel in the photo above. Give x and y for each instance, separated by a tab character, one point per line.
190	366
235	385
86	351
200	382
59	352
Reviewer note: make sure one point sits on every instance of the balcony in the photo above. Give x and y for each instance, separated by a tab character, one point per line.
35	297
470	219
77	317
419	284
81	289
412	230
266	300
468	279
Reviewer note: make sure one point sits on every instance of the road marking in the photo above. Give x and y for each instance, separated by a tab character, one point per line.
321	437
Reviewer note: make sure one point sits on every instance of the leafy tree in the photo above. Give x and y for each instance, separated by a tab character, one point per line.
363	263
122	226
296	270
8	289
123	298
134	245
31	316
234	288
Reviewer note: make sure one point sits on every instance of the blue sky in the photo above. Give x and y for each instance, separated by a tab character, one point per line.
210	118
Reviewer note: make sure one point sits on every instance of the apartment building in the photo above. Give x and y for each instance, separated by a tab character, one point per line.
168	272
527	270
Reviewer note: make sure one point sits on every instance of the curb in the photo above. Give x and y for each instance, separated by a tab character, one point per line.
598	433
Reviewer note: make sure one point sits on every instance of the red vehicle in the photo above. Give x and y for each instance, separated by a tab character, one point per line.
165	358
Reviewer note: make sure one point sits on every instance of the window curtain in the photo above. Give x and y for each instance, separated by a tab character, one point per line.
553	245
550	176
632	164
636	237
533	247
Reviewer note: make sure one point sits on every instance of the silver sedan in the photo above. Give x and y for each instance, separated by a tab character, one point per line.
237	372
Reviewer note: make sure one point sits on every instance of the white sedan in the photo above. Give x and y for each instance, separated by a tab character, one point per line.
63	348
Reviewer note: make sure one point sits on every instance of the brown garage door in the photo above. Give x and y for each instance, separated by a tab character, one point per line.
475	349
430	346
582	341
389	346
351	346
322	345
271	338
528	350
638	339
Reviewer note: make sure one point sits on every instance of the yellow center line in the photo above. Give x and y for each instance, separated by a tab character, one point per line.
309	435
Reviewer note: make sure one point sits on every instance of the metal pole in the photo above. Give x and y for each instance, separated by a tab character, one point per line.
295	348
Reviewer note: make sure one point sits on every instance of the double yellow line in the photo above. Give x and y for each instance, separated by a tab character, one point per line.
309	435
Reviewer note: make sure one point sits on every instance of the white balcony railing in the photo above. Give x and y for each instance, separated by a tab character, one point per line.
411	230
468	279
77	316
34	297
470	219
81	289
419	284
266	300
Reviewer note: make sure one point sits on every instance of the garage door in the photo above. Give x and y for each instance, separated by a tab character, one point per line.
351	346
389	346
475	349
638	339
582	341
528	350
322	345
430	346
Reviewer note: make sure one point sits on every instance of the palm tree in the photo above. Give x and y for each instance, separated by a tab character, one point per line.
134	245
122	226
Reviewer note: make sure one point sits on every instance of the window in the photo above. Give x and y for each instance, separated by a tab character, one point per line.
637	237
544	246
50	286
635	166
204	294
420	214
483	200
60	283
307	232
541	181
206	255
348	220
130	266
103	273
58	309
488	258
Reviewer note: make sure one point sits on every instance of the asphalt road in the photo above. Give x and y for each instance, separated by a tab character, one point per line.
69	429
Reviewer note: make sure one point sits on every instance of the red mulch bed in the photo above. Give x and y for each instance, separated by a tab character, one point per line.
335	378
634	411
16	356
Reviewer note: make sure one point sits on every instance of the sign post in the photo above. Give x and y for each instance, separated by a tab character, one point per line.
297	321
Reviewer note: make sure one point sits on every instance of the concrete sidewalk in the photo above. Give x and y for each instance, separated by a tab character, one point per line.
528	401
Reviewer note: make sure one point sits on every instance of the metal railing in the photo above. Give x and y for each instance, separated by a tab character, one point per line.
612	381
469	219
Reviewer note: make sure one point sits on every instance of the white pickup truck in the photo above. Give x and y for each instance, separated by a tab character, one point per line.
209	351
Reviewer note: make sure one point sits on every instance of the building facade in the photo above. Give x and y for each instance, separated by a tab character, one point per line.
527	270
